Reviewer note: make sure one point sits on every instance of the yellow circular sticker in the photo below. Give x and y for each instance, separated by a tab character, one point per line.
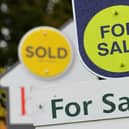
106	39
45	52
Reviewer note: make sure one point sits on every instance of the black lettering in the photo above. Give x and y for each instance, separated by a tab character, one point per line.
109	103
125	105
115	48
125	46
67	109
127	26
41	52
103	30
50	53
86	105
114	28
55	108
29	51
103	49
62	53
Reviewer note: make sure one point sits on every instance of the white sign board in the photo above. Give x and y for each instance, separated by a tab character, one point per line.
19	77
80	102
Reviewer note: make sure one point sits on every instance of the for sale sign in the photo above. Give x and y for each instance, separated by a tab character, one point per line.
91	101
103	36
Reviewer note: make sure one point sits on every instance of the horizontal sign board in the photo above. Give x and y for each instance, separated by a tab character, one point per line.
91	101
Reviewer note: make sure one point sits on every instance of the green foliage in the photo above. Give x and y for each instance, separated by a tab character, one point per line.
18	16
3	99
2	70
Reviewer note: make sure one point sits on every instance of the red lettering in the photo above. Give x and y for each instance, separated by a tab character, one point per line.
23	102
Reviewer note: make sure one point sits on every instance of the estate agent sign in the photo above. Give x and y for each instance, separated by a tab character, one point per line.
103	36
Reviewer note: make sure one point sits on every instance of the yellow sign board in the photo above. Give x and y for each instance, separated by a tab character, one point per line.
45	52
106	39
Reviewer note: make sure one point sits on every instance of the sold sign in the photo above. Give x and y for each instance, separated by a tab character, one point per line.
103	33
45	52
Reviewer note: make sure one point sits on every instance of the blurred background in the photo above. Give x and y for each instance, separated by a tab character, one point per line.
16	18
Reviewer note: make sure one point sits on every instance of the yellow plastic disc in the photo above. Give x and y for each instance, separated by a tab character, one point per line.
106	39
45	52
